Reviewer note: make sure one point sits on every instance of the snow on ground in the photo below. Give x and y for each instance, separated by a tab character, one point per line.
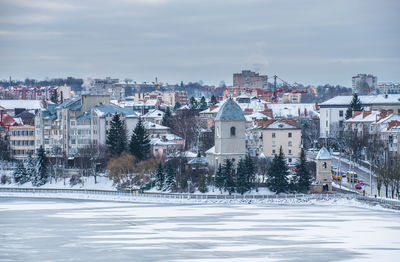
103	183
80	230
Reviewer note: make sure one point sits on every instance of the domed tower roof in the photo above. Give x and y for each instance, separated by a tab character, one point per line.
230	111
323	154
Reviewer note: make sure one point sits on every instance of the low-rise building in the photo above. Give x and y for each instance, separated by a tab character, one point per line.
22	141
281	134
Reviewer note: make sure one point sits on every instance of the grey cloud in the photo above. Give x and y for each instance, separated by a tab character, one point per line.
307	41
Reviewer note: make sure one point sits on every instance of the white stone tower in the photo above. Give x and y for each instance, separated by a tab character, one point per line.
324	177
230	137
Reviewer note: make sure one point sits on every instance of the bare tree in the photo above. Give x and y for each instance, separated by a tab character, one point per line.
91	157
185	124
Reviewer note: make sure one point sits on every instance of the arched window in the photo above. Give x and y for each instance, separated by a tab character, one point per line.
233	131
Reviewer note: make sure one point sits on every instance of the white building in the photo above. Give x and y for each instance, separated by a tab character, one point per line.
333	111
230	136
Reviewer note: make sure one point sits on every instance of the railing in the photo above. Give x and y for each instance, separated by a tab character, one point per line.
153	195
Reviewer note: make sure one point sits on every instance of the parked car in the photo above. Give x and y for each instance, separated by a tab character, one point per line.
358	186
361	182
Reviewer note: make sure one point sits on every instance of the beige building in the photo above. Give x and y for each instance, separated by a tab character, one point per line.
323	181
22	141
279	134
292	98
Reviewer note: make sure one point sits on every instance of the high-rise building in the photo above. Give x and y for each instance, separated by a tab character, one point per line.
364	84
249	79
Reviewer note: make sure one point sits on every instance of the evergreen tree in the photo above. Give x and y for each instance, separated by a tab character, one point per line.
20	175
250	169
30	168
41	174
139	145
193	104
170	178
166	118
54	97
242	184
219	179
177	106
228	171
303	176
202	183
355	105
277	180
203	104
160	177
213	100
116	138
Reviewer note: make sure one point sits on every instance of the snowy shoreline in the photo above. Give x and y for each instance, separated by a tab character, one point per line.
327	200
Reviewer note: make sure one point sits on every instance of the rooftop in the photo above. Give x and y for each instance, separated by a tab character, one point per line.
365	100
323	154
230	111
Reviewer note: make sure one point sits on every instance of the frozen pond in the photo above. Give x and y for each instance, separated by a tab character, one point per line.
34	229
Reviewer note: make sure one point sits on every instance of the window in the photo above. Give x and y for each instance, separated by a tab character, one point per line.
289	134
340	113
289	143
273	143
273	151
290	151
326	123
273	135
233	131
341	123
290	160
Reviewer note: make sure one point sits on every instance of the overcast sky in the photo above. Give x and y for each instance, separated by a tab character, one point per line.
307	41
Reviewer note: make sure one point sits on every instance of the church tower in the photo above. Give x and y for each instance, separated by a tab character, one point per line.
230	137
323	161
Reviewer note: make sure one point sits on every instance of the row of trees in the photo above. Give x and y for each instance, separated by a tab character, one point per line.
139	143
34	169
240	177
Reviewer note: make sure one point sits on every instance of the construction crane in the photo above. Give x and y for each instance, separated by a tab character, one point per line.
276	77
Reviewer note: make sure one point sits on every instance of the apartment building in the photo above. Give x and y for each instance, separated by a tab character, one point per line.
101	117
249	79
22	141
281	134
333	111
364	84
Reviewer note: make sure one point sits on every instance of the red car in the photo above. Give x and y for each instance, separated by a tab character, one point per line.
361	182
358	186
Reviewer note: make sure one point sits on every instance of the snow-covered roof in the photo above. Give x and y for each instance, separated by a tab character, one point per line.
323	154
150	125
230	111
365	100
285	110
255	116
155	113
21	103
280	125
360	118
159	142
211	150
70	102
103	110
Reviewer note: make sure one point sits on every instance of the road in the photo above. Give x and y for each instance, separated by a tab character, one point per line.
361	172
